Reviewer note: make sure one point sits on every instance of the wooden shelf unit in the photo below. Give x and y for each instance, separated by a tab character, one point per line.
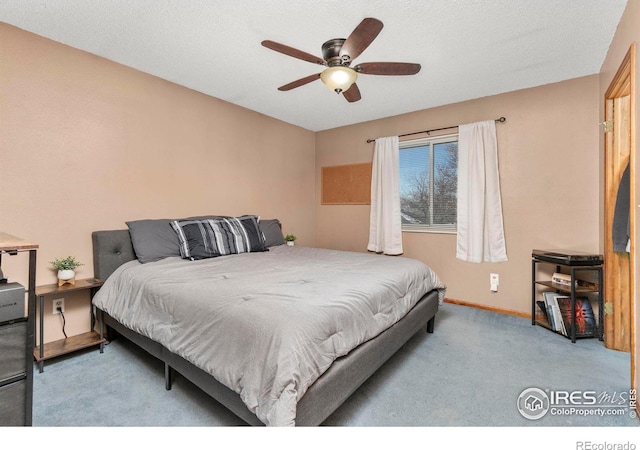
67	345
71	344
573	290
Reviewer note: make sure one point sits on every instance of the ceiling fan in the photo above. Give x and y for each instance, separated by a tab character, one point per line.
337	56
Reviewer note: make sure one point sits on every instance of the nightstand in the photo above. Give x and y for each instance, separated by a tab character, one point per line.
74	343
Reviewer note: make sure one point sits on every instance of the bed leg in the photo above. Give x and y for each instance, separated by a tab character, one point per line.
111	333
101	319
430	324
168	376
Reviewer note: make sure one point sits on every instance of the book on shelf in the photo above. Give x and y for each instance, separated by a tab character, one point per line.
553	311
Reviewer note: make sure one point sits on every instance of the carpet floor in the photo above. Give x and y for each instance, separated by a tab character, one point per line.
468	373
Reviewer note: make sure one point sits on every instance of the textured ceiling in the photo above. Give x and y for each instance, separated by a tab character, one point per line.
467	48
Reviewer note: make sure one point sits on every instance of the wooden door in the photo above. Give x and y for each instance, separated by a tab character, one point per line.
619	280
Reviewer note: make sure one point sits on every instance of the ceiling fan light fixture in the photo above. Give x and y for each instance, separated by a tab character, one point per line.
337	57
339	78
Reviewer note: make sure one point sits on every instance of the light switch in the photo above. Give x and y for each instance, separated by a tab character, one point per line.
494	280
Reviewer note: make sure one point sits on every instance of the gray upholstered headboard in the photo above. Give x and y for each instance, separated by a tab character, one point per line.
111	249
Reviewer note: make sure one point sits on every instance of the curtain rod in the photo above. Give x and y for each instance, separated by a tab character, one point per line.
501	119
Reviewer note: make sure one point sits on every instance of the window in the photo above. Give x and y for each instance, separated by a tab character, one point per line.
429	183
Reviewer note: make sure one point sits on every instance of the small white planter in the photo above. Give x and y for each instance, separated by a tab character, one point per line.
66	274
291	243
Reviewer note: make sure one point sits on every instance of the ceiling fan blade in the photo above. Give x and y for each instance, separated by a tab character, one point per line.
360	38
300	82
290	51
387	68
352	94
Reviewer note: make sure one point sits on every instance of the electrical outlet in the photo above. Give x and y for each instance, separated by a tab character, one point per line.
58	303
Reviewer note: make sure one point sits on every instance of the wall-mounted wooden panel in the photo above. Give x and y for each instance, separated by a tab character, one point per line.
346	185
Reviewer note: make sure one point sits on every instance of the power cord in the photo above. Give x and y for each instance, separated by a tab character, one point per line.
64	322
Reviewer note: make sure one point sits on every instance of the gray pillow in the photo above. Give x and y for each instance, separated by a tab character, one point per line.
272	230
154	239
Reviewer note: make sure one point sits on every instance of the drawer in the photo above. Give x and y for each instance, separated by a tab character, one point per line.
13	350
13	404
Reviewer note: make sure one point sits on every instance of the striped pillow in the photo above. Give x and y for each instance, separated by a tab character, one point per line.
208	238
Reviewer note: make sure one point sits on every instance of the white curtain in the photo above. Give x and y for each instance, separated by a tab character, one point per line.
480	227
385	226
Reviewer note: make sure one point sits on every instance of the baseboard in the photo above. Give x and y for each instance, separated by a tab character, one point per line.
488	308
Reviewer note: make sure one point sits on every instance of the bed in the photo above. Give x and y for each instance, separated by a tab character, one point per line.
280	337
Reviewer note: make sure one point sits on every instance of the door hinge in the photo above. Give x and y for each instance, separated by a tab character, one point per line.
608	308
607	126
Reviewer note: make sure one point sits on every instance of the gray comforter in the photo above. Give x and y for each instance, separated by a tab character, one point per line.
266	325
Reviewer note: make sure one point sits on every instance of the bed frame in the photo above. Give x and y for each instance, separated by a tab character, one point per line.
113	248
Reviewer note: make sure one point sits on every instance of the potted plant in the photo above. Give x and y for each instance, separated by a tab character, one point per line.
290	239
66	269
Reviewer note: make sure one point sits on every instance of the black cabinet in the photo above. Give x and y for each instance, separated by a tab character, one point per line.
592	265
16	344
13	373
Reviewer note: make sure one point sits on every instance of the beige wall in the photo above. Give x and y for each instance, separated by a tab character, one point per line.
548	159
87	144
628	32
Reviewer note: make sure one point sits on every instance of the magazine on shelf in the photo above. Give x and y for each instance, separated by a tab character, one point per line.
585	318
